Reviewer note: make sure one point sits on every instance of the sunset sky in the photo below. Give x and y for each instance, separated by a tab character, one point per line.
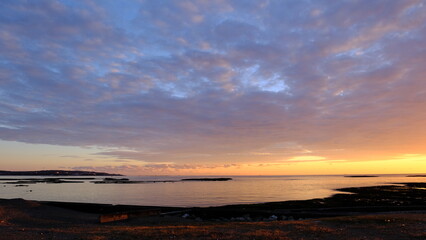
209	87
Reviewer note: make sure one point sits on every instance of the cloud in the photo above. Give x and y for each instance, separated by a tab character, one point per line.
215	80
70	156
158	168
307	158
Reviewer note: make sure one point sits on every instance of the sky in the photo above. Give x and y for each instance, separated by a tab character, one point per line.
213	87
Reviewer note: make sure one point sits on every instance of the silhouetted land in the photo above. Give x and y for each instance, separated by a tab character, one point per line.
361	176
19	182
127	181
55	173
207	179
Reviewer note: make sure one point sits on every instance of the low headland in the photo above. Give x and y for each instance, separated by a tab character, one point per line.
19	182
361	176
396	211
55	173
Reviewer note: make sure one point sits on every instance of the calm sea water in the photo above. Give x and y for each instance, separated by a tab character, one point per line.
242	189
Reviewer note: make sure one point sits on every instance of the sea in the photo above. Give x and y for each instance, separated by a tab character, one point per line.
240	190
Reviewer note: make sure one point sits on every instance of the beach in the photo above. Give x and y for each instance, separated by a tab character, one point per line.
380	212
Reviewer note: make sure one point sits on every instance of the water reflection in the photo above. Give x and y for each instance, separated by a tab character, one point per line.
242	189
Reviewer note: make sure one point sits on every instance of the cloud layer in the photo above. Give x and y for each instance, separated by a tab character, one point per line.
216	82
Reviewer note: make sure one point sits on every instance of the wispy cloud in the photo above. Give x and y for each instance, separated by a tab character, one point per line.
207	79
159	168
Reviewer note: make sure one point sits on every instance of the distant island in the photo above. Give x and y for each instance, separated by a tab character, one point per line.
361	176
206	179
55	173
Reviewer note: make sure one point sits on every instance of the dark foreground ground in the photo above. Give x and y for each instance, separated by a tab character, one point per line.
381	212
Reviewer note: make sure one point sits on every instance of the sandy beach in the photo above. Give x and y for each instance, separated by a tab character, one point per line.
388	217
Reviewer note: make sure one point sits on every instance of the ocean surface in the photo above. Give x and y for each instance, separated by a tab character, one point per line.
240	190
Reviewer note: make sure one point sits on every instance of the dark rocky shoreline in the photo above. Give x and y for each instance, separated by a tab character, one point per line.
386	198
354	201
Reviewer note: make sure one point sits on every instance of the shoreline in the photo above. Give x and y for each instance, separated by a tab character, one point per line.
404	197
387	212
258	191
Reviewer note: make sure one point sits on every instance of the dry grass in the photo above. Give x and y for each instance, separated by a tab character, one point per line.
18	222
403	226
